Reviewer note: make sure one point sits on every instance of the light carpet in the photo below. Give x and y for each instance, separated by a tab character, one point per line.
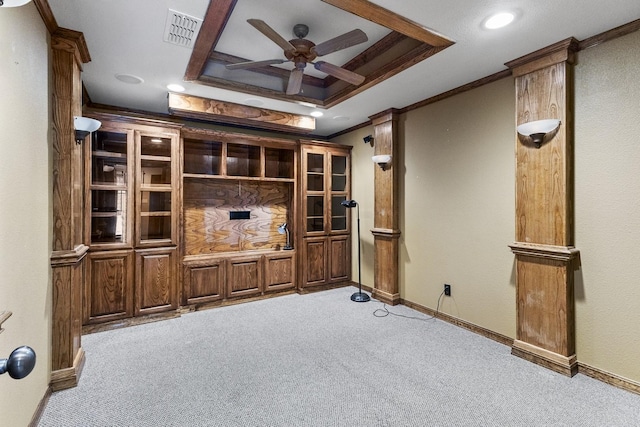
321	360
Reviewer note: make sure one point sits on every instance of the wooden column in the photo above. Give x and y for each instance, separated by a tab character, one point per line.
545	256
68	252
386	230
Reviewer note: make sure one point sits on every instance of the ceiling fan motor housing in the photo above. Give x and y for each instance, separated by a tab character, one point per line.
302	54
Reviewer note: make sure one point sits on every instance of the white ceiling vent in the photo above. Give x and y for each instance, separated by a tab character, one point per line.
181	29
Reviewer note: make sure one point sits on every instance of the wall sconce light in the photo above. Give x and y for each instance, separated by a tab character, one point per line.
368	139
382	160
20	363
284	230
84	126
13	3
538	130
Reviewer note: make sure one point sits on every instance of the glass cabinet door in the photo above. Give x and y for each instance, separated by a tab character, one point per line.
109	187
339	188
155	189
315	196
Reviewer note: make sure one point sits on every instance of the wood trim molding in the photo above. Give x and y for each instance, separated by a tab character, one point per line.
562	51
567	365
609	378
558	253
67	258
4	315
212	110
47	15
386	233
72	42
487	333
391	20
62	379
37	414
216	18
612	34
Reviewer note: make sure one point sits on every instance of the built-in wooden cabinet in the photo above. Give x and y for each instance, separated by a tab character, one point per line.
186	217
132	220
238	190
325	176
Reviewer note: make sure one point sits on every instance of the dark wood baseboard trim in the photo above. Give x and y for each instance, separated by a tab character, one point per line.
609	378
37	415
565	365
62	379
502	339
233	301
312	289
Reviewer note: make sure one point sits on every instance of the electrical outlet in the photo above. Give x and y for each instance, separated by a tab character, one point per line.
447	290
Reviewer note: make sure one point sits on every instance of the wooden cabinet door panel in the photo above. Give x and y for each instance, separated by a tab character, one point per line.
339	259
315	261
244	276
204	283
155	284
279	271
108	291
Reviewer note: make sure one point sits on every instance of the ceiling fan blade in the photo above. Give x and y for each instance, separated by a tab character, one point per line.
254	64
344	41
295	81
339	73
265	29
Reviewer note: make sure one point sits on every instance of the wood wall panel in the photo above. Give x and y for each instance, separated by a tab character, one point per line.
244	276
315	261
108	291
156	285
208	228
280	271
542	193
542	306
340	265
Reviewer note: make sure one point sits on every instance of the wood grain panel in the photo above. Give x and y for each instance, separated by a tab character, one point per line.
108	291
315	261
155	284
543	309
204	283
214	110
279	271
542	174
244	276
208	228
389	19
340	261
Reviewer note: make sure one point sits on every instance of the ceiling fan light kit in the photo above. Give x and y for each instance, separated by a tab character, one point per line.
301	52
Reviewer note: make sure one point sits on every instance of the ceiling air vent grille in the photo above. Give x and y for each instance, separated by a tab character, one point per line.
181	29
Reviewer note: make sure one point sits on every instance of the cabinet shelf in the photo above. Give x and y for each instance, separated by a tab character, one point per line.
155	213
108	154
109	214
106	186
155	158
235	178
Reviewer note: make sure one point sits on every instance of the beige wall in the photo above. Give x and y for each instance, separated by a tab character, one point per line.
25	208
607	204
457	205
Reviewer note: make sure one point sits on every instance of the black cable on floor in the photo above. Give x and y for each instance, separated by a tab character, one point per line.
384	311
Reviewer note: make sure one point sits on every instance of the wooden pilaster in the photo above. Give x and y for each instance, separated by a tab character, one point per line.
386	230
545	256
68	251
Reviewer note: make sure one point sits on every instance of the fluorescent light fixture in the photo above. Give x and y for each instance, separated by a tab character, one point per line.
173	87
499	20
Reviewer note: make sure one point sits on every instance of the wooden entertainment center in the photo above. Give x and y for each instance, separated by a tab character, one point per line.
180	218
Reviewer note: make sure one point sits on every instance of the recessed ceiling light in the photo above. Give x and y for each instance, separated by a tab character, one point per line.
499	20
130	79
317	113
175	87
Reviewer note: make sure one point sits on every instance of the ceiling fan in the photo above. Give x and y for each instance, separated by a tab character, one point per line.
301	52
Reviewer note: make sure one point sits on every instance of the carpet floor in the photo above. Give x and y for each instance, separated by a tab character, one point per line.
321	360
